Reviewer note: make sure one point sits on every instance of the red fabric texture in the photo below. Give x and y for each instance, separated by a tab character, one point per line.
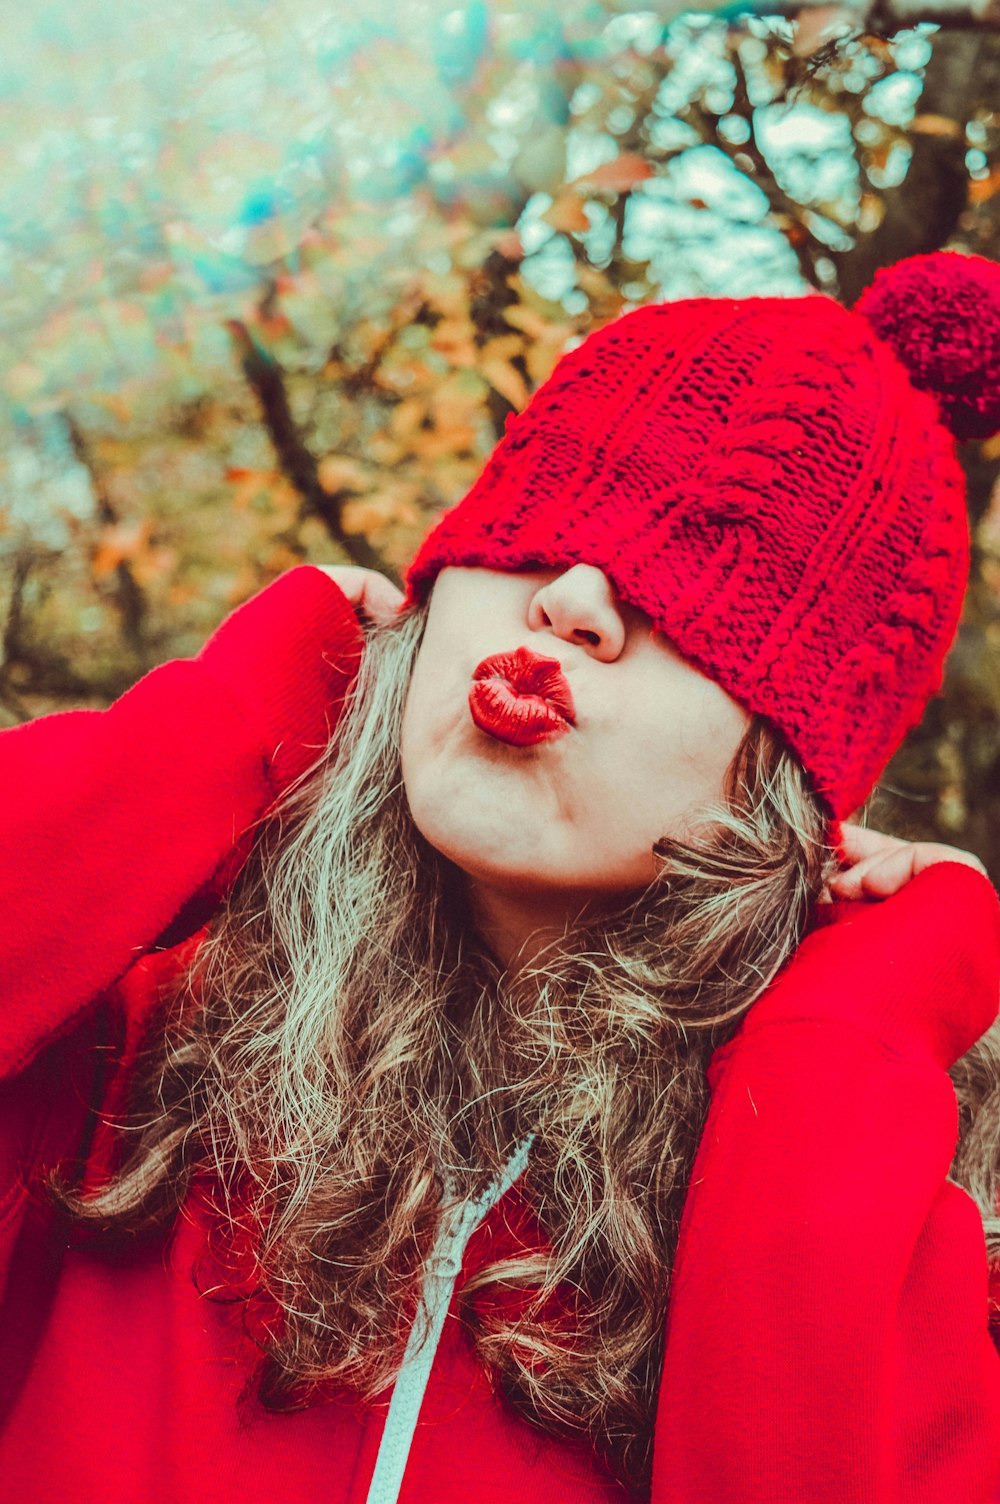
827	1336
773	485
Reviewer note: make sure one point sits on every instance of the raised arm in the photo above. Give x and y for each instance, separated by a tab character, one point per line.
122	827
827	1337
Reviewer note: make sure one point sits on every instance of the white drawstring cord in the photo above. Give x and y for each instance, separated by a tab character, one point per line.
444	1264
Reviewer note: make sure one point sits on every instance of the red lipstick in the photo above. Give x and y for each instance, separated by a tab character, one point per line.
521	698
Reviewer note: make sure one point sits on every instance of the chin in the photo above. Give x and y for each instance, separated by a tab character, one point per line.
482	854
456	807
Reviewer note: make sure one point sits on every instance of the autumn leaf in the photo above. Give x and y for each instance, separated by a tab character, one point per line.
182	593
281	557
452	477
527	320
795	233
114	403
455	338
339	472
882	47
567	214
432	443
240	586
119	543
508	244
370	337
871	211
457	405
502	347
606	299
274	328
406	417
448	292
152	564
937	125
394	503
540	359
383	449
618	176
981	190
509	382
545	343
111	452
988	538
249	484
815	26
402	374
991	575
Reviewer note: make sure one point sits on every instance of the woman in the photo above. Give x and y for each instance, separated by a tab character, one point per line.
467	1071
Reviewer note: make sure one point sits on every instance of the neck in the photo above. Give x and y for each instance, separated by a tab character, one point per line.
519	926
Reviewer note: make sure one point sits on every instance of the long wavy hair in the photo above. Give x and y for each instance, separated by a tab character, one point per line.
343	1032
976	1165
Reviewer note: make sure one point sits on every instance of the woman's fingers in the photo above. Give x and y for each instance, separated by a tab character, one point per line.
935	851
878	875
377	597
381	599
860	841
878	865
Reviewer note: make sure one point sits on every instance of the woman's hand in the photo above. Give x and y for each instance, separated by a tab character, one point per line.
879	864
367	590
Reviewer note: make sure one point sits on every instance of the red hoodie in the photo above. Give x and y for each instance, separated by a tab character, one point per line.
827	1339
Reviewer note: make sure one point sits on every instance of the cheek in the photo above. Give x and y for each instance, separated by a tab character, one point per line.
659	769
431	734
416	730
417	771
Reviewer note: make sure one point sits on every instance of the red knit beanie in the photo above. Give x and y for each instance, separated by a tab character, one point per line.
774	482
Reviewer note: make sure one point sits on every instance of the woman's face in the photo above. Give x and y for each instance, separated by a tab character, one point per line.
576	813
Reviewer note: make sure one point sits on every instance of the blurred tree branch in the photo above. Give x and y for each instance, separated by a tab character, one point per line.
130	598
266	380
749	158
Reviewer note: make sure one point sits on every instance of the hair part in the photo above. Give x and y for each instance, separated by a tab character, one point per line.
343	1031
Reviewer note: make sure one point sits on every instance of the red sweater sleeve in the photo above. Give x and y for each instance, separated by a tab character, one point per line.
827	1337
122	827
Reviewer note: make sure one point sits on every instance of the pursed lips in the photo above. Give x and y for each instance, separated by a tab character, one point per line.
521	698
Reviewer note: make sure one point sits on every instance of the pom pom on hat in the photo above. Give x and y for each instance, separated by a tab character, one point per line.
940	313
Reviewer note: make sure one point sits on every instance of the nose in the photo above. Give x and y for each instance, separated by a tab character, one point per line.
579	606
